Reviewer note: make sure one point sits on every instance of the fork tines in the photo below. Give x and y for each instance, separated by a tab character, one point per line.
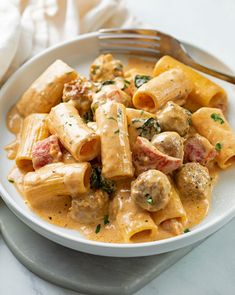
130	41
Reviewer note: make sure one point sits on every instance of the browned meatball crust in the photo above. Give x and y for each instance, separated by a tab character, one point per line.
174	118
169	143
193	181
151	190
90	207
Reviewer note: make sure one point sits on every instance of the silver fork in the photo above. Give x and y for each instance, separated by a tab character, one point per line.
151	43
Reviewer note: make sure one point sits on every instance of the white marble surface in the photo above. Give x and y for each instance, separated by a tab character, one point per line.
210	268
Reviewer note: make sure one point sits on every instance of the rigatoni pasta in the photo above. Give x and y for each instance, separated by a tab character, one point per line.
115	146
34	129
205	93
172	85
47	90
211	123
81	141
173	210
57	179
135	224
122	158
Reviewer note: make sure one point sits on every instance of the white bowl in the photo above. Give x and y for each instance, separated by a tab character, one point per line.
79	53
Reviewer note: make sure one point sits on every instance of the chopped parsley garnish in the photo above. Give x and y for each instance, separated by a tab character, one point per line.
112	118
94	70
217	118
187	230
97	230
108	82
126	84
116	131
106	219
149	128
119	67
11	181
98	181
136	120
141	79
88	116
218	146
149	199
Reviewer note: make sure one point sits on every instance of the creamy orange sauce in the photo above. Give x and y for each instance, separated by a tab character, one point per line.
144	66
14	120
56	209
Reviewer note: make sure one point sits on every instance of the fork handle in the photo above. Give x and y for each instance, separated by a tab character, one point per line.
217	74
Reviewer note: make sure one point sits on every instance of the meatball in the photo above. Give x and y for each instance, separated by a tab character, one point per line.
169	143
79	92
151	190
105	67
174	118
90	207
193	181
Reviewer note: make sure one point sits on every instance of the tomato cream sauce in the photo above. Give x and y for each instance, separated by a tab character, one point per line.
56	209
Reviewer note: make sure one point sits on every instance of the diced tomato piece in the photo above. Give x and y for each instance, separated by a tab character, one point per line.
46	151
198	149
146	156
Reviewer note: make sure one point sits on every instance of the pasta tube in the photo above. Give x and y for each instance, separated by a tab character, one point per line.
172	85
55	180
135	120
115	148
34	129
47	90
81	141
204	93
135	224
211	123
173	210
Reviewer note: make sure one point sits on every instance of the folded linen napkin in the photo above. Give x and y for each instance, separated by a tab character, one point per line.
30	26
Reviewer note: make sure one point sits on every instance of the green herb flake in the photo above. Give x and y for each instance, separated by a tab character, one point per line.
106	219
218	146
217	118
126	84
187	230
11	181
149	199
97	230
108	82
116	131
141	79
88	116
119	67
94	70
135	120
149	128
111	118
98	181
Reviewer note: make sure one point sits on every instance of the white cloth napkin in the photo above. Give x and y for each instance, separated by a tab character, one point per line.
30	26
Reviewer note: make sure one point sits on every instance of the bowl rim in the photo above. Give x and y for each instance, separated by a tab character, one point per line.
42	226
